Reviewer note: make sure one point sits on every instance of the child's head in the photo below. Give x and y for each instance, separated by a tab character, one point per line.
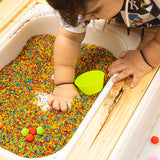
70	9
89	9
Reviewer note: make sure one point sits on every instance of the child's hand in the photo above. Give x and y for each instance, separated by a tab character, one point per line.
62	97
130	63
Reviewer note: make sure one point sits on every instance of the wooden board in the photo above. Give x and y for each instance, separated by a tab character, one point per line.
10	9
13	11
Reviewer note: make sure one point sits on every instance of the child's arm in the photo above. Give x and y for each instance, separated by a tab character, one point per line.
66	52
152	50
132	62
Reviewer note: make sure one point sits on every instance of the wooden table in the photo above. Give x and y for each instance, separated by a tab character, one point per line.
12	11
107	125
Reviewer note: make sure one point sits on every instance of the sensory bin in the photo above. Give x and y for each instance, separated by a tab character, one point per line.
28	76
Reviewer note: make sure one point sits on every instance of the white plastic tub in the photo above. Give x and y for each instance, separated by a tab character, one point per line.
41	20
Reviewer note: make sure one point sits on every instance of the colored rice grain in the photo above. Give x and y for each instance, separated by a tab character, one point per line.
29	74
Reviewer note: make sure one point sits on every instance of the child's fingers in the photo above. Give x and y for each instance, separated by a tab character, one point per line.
69	103
117	62
136	79
63	105
50	100
56	105
69	100
134	82
78	95
124	74
122	54
116	69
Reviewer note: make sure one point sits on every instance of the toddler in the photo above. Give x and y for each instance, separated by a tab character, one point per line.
75	15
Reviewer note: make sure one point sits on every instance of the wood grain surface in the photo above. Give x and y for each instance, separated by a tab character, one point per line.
12	11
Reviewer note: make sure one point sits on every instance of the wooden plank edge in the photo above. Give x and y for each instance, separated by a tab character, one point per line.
19	16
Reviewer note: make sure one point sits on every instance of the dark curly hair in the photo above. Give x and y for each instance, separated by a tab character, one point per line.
70	9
